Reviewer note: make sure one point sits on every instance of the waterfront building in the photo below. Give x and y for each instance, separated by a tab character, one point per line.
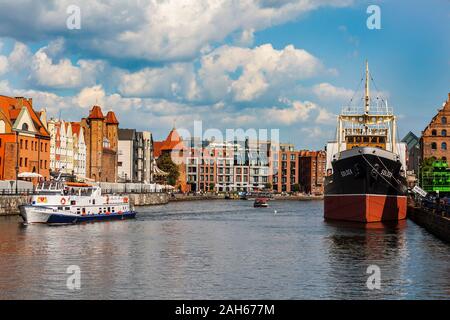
67	148
173	145
24	139
298	170
435	139
101	139
413	152
135	156
148	157
247	165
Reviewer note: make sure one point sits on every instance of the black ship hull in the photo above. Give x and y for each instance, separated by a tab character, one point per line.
367	185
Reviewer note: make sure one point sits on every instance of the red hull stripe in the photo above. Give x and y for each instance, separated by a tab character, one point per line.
365	207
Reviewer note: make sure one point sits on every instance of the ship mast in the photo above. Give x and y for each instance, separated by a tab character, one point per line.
367	93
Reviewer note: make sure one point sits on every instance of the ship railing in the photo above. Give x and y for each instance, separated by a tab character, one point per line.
19	192
375	110
369	131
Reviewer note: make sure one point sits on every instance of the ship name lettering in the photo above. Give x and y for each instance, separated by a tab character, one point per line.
386	173
347	172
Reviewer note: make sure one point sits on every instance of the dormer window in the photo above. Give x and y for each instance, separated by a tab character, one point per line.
433	132
25	127
444	120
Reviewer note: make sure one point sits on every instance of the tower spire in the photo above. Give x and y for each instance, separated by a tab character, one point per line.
367	92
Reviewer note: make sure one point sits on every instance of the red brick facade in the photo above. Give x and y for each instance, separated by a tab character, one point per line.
435	140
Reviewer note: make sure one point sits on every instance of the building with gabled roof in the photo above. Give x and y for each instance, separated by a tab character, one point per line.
67	148
24	139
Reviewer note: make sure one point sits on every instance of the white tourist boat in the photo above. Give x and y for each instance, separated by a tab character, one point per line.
57	202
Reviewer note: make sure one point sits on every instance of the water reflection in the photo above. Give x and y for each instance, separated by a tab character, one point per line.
223	250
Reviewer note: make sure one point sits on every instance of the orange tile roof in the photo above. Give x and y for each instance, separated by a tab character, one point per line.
11	108
172	142
96	113
76	128
157	148
111	118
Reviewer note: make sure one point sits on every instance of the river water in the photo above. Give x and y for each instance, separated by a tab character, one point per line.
223	250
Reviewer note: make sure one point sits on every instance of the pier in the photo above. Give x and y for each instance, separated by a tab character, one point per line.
436	221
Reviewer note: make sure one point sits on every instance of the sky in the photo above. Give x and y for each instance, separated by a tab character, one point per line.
250	64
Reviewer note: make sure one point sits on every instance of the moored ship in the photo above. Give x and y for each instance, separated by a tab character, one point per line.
59	202
366	173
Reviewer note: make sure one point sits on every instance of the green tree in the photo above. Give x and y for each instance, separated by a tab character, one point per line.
295	187
268	186
166	164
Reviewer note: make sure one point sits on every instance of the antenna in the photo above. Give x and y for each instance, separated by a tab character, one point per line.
367	91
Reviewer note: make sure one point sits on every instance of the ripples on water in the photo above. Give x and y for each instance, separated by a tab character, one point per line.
223	250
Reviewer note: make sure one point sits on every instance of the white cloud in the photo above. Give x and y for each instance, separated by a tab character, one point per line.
3	64
151	29
246	74
172	81
227	73
328	92
63	74
20	56
90	96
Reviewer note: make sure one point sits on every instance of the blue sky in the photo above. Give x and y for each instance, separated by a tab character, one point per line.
287	64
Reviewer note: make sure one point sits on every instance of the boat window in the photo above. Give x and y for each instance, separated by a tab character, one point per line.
374	140
66	208
366	139
358	139
60	208
109	209
382	139
113	209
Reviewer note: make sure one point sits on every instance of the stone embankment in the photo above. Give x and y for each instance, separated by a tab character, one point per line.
435	222
9	204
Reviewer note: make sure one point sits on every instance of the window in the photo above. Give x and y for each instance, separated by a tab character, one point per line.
444	146
444	133
444	120
21	144
25	127
433	146
20	162
26	144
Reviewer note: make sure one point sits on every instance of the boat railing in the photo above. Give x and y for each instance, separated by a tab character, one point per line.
375	110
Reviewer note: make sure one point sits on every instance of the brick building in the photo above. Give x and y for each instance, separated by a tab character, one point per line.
300	170
435	140
101	139
24	139
174	146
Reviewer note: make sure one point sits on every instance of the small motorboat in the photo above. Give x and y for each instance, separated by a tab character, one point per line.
260	203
